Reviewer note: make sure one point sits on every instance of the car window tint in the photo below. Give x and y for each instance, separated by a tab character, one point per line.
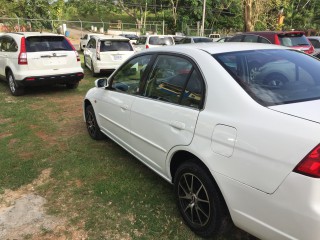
274	77
107	45
7	44
251	38
192	95
237	38
47	43
142	40
199	40
291	40
315	42
264	40
168	78
160	40
129	77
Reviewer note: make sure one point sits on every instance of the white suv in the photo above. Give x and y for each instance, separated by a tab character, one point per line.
30	58
151	41
106	53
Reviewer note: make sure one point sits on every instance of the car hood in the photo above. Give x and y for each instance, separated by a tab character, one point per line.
307	110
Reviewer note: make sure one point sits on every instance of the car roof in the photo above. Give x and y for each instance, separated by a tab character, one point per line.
29	34
215	48
110	37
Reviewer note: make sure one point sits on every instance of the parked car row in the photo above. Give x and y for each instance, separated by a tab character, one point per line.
235	128
33	58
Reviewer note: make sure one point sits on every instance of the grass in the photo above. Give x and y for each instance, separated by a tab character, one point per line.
97	186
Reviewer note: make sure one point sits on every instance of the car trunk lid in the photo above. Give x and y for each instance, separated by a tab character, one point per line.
304	110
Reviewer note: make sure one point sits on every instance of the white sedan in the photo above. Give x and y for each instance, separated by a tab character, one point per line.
233	143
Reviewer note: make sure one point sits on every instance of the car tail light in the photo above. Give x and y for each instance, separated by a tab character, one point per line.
98	50
310	165
147	46
22	58
75	51
310	50
276	40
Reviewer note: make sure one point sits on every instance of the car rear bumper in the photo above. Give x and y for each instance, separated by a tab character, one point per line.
291	212
69	78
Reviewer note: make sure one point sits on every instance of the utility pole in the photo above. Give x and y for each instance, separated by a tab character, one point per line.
203	18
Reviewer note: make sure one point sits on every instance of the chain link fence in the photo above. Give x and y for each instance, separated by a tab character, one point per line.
78	27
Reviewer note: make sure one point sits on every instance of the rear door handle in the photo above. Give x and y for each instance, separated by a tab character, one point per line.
178	125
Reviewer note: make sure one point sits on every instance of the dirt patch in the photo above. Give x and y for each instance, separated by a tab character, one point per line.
23	216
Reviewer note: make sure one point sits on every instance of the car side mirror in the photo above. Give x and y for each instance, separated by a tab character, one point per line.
101	82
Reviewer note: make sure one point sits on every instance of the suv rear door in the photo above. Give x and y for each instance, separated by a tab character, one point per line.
50	53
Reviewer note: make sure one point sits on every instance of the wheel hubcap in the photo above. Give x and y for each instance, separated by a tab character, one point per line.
11	84
91	123
194	199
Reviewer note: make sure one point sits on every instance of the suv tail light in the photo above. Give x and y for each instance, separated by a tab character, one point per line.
310	165
310	49
75	51
22	58
147	46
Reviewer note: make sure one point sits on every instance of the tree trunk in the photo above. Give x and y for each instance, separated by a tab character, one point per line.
247	13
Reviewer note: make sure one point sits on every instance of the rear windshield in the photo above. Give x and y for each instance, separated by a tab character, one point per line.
161	40
274	77
47	43
107	45
293	40
199	40
142	40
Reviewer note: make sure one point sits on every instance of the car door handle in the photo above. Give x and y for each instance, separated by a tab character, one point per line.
124	107
178	125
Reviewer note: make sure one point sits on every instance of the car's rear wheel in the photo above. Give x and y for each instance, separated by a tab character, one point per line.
199	200
92	125
13	86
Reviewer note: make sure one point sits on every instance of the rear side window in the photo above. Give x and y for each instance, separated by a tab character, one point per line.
237	38
47	43
293	40
315	43
251	38
142	40
274	77
106	46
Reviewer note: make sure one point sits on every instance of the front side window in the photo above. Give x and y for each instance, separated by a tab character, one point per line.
173	79
274	77
129	77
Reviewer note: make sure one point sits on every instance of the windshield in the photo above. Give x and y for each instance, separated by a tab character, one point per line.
274	77
199	40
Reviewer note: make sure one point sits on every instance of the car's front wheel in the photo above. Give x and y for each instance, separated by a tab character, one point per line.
13	86
92	125
199	201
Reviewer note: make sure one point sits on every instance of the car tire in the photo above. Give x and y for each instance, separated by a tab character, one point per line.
72	85
208	217
92	69
13	86
92	125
